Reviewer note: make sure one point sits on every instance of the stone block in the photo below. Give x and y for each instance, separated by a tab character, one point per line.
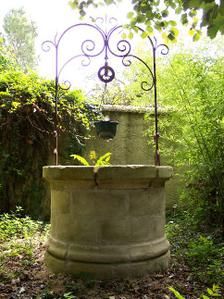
165	172
84	230
102	254
88	271
66	173
147	202
82	202
140	229
110	204
115	231
129	176
61	204
69	177
57	248
145	228
53	263
149	250
140	203
141	268
61	228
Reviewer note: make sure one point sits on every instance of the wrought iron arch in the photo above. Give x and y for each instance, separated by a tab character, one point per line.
106	73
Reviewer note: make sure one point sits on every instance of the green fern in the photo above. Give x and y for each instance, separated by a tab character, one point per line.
82	160
103	160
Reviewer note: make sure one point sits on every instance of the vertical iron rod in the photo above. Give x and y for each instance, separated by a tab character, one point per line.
156	134
56	107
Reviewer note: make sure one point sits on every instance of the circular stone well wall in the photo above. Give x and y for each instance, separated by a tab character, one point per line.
107	222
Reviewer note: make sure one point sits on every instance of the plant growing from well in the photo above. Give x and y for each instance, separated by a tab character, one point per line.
103	160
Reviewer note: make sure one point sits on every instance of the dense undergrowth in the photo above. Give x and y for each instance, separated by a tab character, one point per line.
202	251
196	265
27	113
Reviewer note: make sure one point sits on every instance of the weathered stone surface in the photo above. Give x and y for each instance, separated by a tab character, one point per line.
110	253
150	201
108	222
121	177
165	172
70	177
108	271
67	173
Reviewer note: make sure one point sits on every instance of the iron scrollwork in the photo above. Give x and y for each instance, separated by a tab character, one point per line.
106	73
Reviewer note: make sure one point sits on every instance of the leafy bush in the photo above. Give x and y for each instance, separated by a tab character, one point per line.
13	225
27	135
190	87
7	57
203	254
19	238
206	259
192	135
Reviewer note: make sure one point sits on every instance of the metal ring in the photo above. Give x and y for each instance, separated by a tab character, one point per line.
106	74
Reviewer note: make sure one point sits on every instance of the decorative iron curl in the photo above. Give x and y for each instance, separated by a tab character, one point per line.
123	46
113	20
124	51
126	61
104	21
87	47
65	85
85	61
145	85
165	49
99	21
47	45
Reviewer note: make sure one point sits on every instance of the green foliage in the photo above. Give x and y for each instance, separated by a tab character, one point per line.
163	17
20	34
18	238
200	249
192	136
27	135
206	259
210	293
68	295
80	159
13	225
203	254
103	160
176	293
7	57
190	92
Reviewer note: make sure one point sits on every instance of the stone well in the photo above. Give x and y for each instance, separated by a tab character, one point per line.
107	222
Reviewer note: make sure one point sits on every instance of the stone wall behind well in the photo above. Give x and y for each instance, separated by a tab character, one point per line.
131	145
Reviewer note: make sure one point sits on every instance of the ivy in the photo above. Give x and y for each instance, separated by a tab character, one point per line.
27	118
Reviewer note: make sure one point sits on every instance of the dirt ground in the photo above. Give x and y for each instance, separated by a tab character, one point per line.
33	280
